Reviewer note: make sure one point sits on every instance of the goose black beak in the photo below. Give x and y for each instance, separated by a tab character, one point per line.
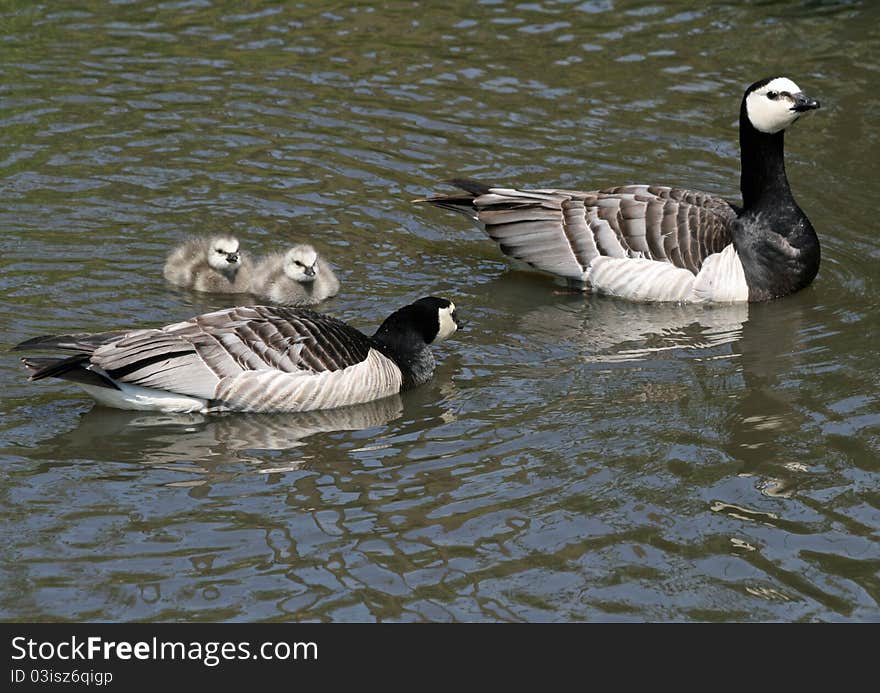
309	271
232	257
803	103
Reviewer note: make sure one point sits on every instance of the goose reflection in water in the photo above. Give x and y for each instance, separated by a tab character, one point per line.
732	368
198	443
616	331
605	329
757	347
765	427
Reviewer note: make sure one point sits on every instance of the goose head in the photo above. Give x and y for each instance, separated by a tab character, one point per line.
427	321
772	104
446	315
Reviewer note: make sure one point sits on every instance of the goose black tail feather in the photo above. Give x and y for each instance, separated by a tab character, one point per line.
463	204
475	188
73	368
83	342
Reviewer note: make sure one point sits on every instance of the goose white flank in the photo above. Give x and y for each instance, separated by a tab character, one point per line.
215	265
661	243
299	277
260	358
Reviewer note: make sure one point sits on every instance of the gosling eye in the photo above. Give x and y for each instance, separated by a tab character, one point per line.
773	95
222	252
298	263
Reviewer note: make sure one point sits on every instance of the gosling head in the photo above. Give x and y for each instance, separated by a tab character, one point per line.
224	255
301	263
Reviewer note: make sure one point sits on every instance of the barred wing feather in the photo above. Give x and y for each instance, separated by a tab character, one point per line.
194	356
564	231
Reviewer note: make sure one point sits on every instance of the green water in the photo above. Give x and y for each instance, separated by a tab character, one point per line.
573	458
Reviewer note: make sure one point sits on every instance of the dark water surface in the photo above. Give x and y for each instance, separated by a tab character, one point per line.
574	458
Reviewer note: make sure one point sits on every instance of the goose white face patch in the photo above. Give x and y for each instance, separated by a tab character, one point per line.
448	324
769	107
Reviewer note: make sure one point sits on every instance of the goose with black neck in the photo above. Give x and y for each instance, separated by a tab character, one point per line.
776	242
250	358
663	243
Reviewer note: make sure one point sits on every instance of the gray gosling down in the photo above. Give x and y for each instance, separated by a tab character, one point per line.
215	264
298	277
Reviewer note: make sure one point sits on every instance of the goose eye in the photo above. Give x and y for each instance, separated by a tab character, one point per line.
221	251
773	95
297	263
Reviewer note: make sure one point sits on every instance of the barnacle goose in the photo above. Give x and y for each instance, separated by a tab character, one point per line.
257	358
214	264
658	243
299	277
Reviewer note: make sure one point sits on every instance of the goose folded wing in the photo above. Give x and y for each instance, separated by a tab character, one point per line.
156	359
563	231
194	356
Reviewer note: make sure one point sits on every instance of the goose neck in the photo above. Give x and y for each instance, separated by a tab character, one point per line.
408	350
763	180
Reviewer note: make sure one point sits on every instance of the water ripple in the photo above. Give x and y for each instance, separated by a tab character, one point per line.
573	458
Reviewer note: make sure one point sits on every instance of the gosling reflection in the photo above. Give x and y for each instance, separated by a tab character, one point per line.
201	441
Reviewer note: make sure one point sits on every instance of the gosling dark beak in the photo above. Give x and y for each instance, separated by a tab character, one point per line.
232	257
803	103
309	271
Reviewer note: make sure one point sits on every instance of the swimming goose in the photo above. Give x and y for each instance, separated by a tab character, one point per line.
659	243
214	264
298	277
258	358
